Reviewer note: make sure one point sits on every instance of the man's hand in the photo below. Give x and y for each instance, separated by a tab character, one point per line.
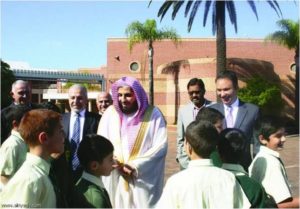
126	170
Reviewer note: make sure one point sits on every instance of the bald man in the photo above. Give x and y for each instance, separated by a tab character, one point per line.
88	124
21	94
103	101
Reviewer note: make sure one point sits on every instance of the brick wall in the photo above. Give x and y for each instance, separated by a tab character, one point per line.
196	58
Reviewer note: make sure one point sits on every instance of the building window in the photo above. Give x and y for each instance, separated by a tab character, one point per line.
134	66
293	67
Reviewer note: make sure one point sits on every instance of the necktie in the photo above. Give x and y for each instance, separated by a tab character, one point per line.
229	118
75	142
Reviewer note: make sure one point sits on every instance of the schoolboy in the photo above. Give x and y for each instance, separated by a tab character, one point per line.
202	185
231	147
13	150
95	154
267	167
217	119
30	186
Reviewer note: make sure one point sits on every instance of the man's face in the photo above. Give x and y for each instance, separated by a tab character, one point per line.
226	91
103	102
77	99
196	95
21	93
127	100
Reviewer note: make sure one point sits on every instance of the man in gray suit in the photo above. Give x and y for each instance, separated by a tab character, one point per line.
238	114
187	114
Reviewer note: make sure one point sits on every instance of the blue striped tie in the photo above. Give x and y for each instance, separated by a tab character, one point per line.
75	142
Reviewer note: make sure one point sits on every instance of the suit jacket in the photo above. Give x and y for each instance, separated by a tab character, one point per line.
185	117
246	119
90	127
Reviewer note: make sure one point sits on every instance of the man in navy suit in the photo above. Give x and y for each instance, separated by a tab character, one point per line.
78	101
238	114
187	114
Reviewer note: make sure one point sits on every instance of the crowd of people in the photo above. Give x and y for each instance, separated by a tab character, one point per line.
227	151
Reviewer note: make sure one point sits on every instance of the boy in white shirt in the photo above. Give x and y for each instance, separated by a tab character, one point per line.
267	167
202	185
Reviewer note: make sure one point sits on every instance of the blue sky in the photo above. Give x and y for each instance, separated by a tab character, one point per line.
73	34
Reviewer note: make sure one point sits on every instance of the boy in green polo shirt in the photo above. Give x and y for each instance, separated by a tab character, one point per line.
231	148
95	154
13	150
30	186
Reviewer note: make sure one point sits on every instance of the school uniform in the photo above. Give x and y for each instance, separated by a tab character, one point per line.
30	186
268	169
93	190
12	154
203	185
254	191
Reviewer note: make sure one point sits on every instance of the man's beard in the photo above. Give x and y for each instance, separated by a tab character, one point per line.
129	110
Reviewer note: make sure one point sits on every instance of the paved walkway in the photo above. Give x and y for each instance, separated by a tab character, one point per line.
289	155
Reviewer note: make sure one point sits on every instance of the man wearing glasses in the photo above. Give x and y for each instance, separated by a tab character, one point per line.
187	114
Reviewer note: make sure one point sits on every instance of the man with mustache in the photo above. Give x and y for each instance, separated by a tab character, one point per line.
103	101
139	135
187	114
87	123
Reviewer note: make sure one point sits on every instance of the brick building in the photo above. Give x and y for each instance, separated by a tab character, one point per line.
174	66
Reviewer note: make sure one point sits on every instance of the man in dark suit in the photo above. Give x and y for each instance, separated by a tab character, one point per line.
21	94
187	114
88	124
238	114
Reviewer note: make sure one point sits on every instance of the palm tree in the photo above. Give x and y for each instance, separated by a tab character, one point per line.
147	32
218	19
288	36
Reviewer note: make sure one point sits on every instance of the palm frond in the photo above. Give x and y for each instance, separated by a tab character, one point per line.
273	4
232	13
164	8
149	3
206	10
214	19
187	8
193	14
288	35
176	7
253	7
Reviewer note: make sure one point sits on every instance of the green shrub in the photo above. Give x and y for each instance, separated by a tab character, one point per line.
264	94
7	79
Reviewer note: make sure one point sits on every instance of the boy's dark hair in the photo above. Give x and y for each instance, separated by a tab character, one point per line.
196	81
229	75
93	147
209	114
36	121
203	137
49	106
231	146
268	125
15	113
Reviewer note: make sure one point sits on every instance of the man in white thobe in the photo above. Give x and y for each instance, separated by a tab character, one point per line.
139	135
